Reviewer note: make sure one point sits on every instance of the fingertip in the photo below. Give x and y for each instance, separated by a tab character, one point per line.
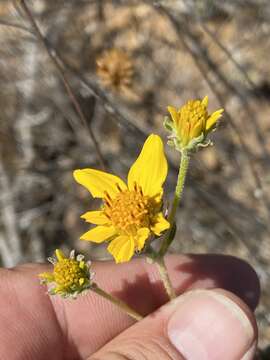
212	324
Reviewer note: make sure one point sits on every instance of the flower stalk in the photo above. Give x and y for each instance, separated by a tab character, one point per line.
121	304
165	277
168	238
189	127
180	184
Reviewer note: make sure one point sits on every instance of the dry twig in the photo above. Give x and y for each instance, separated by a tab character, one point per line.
196	53
72	97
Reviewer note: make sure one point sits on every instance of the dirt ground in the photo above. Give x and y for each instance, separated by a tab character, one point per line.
177	50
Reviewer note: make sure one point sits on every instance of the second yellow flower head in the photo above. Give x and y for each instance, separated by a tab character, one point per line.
130	212
70	276
191	124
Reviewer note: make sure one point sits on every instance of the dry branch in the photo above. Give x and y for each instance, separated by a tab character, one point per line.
73	99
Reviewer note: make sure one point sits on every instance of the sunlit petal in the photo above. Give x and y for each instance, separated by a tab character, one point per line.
98	182
211	121
60	255
99	234
122	248
173	112
95	217
205	101
160	224
196	130
150	169
142	236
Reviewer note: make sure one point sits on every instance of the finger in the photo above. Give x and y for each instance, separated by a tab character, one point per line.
28	326
201	324
85	323
138	284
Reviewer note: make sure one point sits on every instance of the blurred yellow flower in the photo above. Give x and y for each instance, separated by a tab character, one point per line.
70	277
115	69
132	212
191	124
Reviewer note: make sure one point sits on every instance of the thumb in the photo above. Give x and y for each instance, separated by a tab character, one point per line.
199	325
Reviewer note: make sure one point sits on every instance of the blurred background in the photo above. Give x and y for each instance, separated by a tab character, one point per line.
88	89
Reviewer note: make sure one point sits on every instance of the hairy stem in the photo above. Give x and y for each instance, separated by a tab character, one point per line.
122	305
180	185
177	197
165	277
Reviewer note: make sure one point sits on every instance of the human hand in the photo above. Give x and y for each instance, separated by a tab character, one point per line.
199	325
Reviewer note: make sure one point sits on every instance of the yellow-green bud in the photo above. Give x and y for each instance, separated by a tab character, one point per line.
190	125
70	276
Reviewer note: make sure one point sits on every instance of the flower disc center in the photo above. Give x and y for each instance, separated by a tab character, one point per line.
129	210
68	273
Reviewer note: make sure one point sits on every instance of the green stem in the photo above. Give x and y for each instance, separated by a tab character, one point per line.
165	277
177	197
122	305
158	258
180	185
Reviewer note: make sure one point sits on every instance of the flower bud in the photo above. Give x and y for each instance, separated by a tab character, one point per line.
190	125
70	276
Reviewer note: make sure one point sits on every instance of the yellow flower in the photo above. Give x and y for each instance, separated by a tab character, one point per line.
191	124
115	69
132	212
70	277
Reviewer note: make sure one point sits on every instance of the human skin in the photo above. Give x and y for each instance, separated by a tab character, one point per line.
35	326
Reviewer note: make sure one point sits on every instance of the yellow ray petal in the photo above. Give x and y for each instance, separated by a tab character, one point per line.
142	236
160	224
95	217
196	130
205	101
97	182
173	112
122	248
211	121
47	276
99	234
150	169
60	255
